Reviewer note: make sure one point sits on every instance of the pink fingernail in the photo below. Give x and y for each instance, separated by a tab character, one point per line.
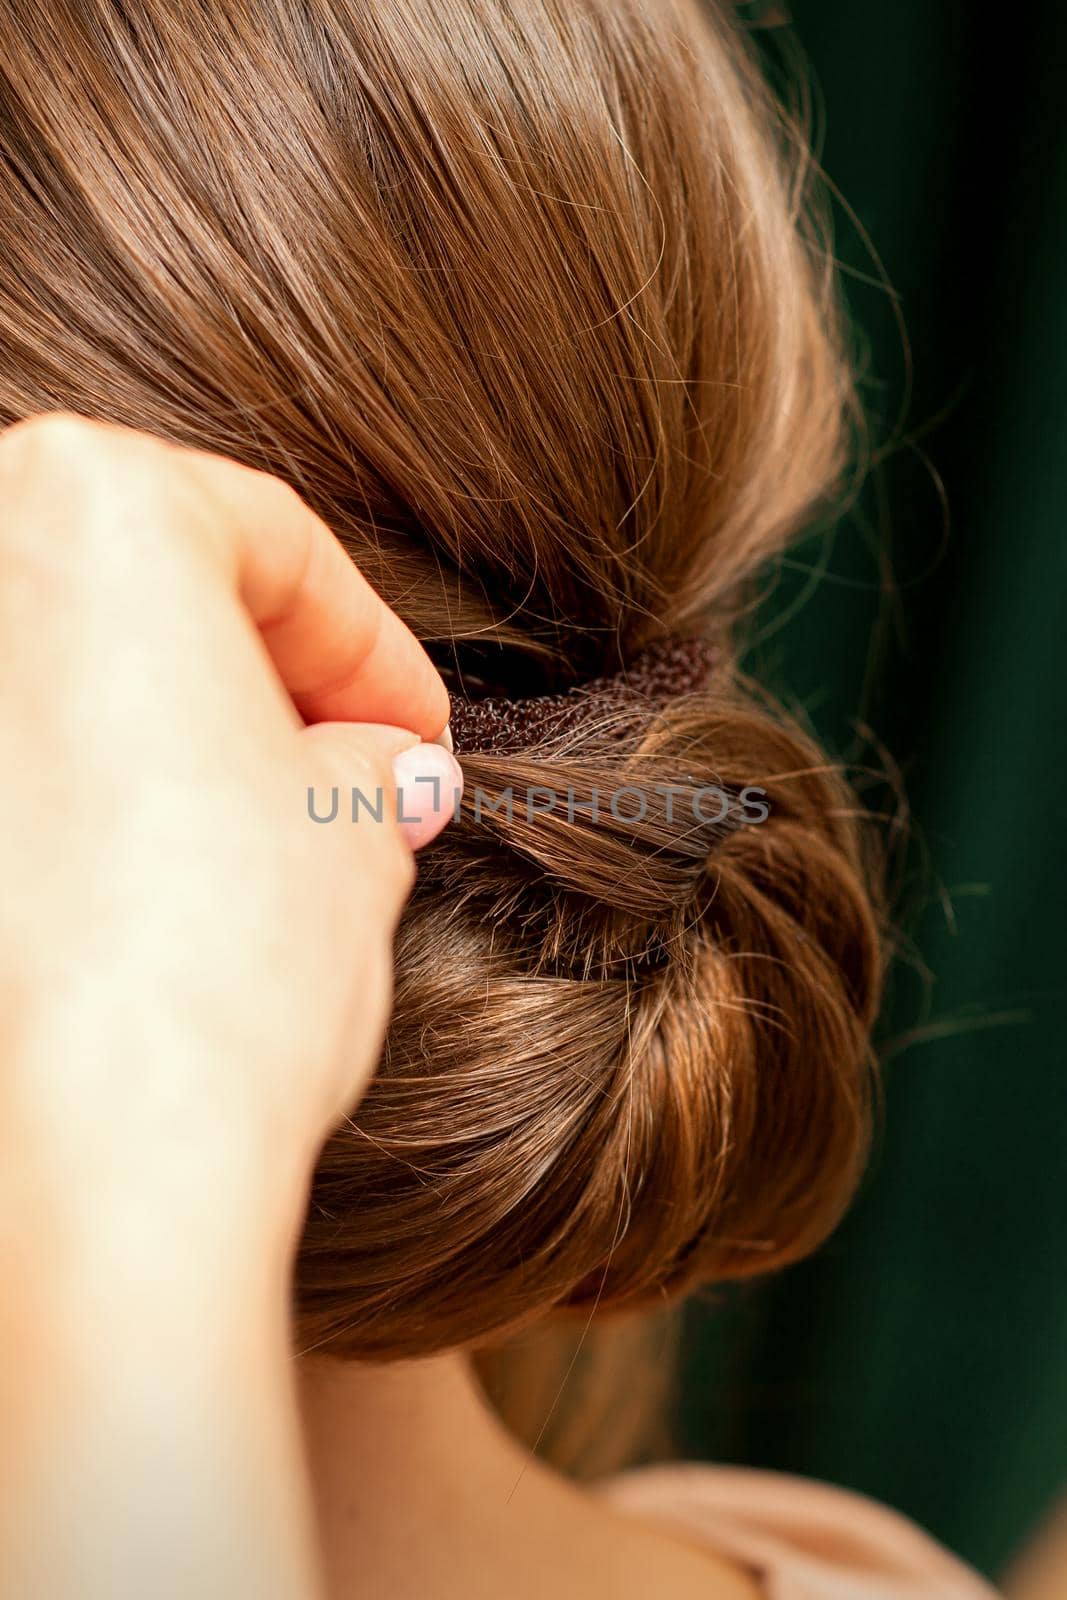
429	785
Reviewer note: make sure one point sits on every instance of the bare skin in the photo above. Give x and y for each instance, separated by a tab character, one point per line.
421	1494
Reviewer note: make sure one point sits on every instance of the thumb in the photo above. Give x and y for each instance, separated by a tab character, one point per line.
416	786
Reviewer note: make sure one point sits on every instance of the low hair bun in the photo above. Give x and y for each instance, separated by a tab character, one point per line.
629	1054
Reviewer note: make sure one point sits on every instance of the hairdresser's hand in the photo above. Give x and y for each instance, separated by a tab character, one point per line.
185	949
194	983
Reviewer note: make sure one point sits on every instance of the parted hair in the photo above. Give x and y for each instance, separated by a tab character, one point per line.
526	298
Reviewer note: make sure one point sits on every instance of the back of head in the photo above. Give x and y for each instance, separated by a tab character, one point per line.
518	294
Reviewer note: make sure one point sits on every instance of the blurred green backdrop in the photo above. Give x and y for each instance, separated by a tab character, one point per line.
922	1357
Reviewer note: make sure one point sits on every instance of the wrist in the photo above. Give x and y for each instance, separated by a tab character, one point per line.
146	1379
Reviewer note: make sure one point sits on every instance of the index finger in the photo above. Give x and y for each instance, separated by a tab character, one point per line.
341	652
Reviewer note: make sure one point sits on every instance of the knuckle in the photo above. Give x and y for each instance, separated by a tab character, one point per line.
135	507
97	476
52	439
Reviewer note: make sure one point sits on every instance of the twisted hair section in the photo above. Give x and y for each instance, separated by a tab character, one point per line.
630	1053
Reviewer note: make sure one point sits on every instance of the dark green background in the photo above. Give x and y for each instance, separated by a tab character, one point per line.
922	1357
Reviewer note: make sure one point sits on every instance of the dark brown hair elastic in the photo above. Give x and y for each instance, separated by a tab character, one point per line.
499	725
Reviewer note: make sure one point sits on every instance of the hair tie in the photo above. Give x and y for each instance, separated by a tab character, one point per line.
498	725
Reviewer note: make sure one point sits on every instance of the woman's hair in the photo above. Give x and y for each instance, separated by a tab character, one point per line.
521	296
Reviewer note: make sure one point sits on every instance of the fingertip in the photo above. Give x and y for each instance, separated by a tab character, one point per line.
429	788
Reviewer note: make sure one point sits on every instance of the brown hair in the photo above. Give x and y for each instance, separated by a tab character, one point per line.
521	295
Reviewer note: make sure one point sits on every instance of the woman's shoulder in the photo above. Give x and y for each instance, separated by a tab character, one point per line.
805	1540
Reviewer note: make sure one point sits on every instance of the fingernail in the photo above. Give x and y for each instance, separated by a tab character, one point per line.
444	738
429	784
